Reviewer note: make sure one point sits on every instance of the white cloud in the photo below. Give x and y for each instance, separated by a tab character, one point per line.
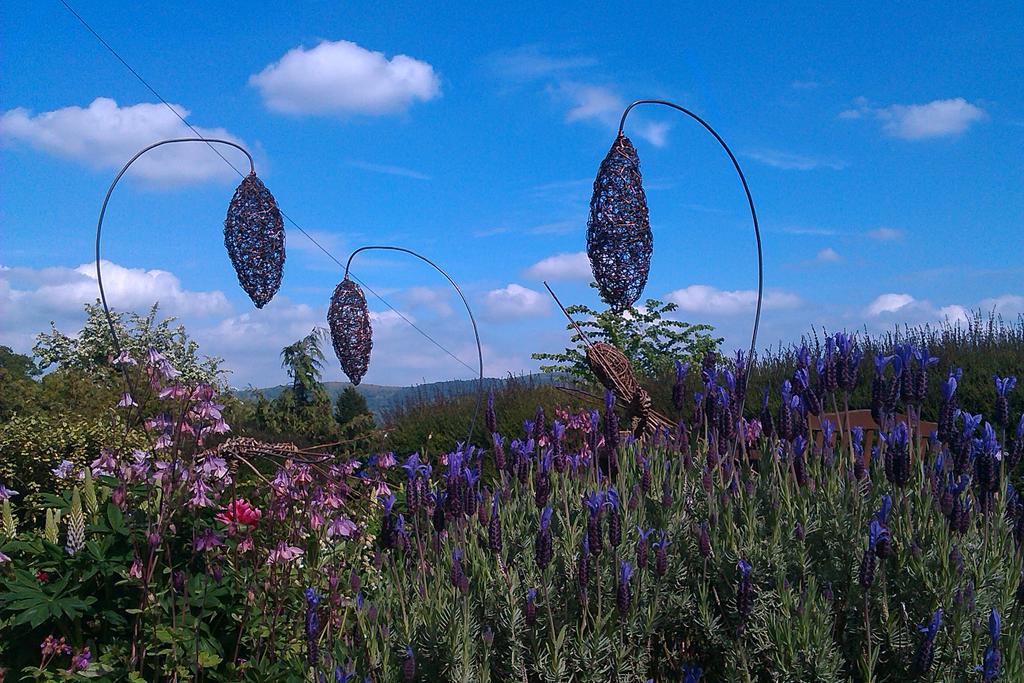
340	77
937	118
602	104
888	303
31	298
788	161
105	135
431	298
1007	304
885	234
515	302
709	300
569	266
828	255
955	314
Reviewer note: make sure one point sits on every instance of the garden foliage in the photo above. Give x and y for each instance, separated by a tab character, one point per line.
730	549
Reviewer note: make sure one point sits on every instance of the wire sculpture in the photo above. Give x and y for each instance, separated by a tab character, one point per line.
254	237
252	213
746	190
619	240
351	334
350	345
616	374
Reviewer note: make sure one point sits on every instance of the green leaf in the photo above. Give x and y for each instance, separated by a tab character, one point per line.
209	659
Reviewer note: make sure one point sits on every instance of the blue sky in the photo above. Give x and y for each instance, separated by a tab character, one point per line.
883	146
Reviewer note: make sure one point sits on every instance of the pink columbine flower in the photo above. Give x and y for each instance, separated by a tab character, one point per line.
124	358
200	499
135	571
381	490
283	553
126	401
341	526
81	659
386	460
208	539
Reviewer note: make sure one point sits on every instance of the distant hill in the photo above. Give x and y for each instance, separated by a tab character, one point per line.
381	398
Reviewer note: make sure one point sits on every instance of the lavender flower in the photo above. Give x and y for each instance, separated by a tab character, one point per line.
594	502
623	593
643	547
494	527
542	545
744	594
704	540
614	520
490	419
799	465
312	627
678	387
1003	387
531	607
558	447
897	455
666	486
993	658
409	665
661	555
583	567
542	479
499	451
926	650
458	577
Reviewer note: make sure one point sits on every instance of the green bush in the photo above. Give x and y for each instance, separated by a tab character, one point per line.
32	446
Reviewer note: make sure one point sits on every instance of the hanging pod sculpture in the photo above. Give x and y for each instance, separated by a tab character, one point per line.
253	233
619	240
349	321
254	237
351	334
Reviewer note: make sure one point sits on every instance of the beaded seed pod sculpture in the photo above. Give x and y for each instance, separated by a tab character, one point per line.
254	237
619	239
349	320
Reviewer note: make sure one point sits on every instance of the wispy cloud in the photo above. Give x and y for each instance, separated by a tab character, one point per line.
938	118
886	234
390	170
789	161
828	255
529	62
804	85
604	105
807	230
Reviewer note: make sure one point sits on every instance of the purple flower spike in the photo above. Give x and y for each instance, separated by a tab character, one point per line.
624	594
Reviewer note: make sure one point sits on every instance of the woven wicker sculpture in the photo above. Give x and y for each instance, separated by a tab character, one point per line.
619	240
254	237
349	320
614	371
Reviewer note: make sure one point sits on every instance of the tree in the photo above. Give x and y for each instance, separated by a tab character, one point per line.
349	405
648	336
92	350
304	361
18	390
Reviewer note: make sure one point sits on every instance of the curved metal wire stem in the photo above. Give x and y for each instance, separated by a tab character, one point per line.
746	189
106	199
472	320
